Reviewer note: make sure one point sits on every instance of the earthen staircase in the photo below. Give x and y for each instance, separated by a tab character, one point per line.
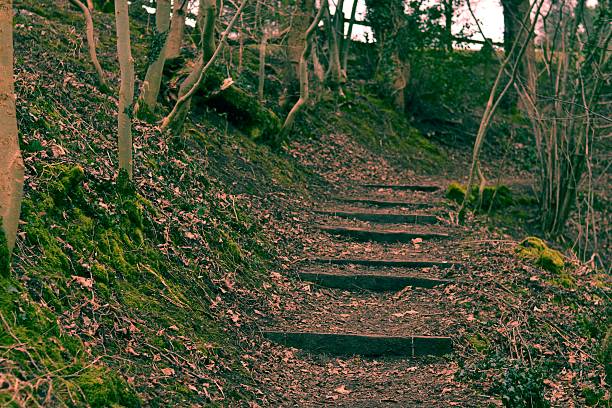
387	221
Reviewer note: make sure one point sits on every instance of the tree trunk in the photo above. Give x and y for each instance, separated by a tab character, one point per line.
207	14
400	81
303	99
335	41
177	29
516	29
294	47
347	43
448	24
152	82
191	84
262	65
11	163
126	90
91	41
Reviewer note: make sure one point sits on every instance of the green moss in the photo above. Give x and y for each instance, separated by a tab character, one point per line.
67	184
491	197
594	397
536	250
495	197
102	388
455	192
479	342
5	257
605	354
242	109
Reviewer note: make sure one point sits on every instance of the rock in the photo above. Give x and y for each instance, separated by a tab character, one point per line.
536	250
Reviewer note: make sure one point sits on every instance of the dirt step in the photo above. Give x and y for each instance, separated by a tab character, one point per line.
363	344
379	202
406	187
382	235
383	217
391	263
369	281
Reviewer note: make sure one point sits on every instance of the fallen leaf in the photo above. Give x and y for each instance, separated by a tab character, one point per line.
84	282
168	371
342	390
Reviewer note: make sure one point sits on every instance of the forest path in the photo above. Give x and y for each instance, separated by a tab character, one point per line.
371	324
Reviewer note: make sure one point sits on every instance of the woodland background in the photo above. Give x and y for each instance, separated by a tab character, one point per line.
163	165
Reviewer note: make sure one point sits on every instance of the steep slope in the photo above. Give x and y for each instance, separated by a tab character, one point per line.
120	295
157	295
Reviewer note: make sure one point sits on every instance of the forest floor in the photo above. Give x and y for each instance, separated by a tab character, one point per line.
503	314
161	296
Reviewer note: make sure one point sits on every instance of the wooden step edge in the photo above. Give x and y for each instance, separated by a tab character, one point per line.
408	187
384	203
373	282
381	235
394	263
390	218
371	345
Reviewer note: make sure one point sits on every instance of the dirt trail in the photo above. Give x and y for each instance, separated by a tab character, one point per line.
340	344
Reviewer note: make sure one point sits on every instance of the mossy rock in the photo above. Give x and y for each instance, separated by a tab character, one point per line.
536	250
455	192
243	110
491	197
496	197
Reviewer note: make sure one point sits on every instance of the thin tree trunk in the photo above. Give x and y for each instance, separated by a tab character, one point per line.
510	59
177	29
516	28
335	42
11	163
90	5
240	46
91	41
317	67
262	65
448	24
347	43
126	91
295	45
176	117
288	124
400	81
207	15
152	82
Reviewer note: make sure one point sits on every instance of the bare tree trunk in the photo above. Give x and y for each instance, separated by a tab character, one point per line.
207	15
152	82
192	83
240	46
294	48
126	91
91	41
90	5
335	41
11	163
262	65
288	125
177	29
400	81
347	43
516	28
319	71
511	58
448	24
